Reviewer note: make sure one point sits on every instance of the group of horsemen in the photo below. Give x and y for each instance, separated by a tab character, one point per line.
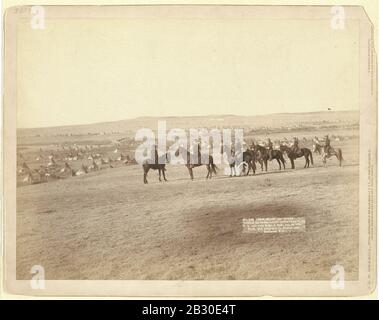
297	150
270	146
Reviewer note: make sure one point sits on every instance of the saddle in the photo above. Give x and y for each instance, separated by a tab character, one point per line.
297	151
328	150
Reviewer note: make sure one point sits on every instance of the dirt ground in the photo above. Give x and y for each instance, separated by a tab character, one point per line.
109	225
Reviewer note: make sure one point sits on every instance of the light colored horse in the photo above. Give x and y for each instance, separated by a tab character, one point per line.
327	155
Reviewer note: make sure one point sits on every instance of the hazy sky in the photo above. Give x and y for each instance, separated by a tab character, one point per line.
85	71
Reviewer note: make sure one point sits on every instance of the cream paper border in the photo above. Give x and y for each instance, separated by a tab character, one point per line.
138	288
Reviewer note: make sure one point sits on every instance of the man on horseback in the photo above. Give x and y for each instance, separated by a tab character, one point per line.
155	154
327	147
270	148
295	147
199	151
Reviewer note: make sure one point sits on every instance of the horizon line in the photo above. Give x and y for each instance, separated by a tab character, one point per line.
178	116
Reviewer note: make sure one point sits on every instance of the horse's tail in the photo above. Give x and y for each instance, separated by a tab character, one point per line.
214	168
311	156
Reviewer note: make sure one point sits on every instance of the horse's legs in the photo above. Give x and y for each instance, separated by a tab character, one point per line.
253	166
265	161
164	175
145	171
248	168
280	166
292	163
337	157
159	171
261	163
209	174
190	172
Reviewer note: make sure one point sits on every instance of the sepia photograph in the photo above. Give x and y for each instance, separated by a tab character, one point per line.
190	150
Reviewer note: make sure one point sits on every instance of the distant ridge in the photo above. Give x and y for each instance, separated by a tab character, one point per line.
276	120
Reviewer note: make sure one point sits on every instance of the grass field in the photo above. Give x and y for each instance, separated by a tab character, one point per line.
109	225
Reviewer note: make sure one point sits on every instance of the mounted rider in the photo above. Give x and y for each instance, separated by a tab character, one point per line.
155	153
270	148
198	146
295	147
327	147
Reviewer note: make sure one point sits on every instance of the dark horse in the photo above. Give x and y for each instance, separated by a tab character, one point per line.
211	167
303	152
248	158
262	156
160	166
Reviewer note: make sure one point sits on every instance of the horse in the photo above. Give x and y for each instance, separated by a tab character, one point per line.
211	167
160	166
248	156
263	156
326	155
304	152
318	148
248	159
